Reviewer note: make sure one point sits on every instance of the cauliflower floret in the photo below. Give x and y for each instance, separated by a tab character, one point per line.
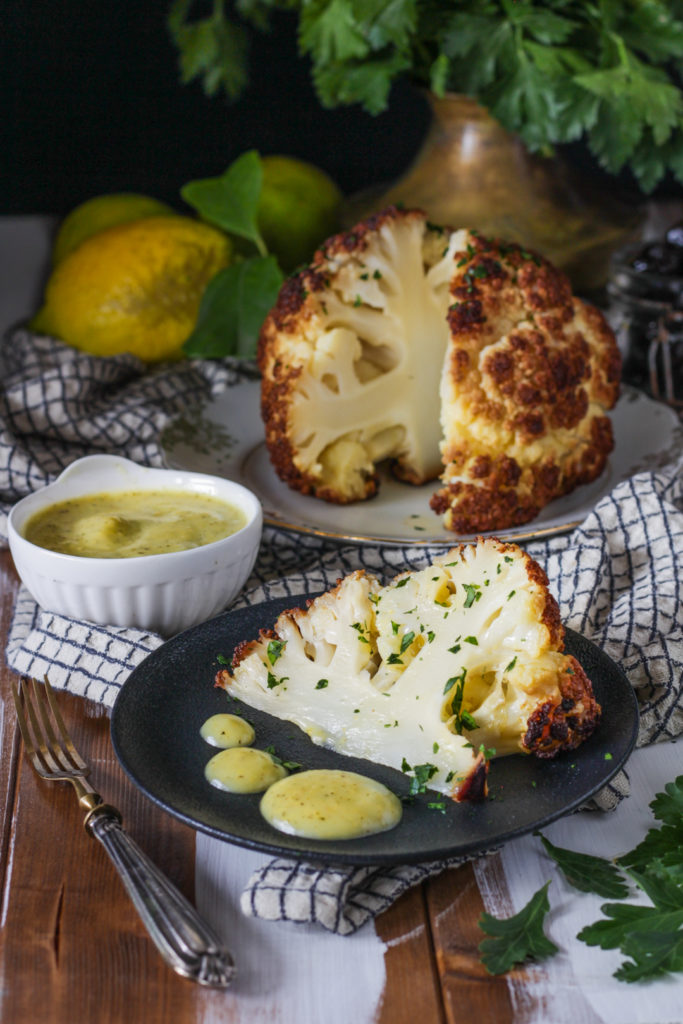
351	359
440	351
436	669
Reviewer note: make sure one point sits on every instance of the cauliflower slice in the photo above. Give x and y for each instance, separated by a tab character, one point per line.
351	359
432	673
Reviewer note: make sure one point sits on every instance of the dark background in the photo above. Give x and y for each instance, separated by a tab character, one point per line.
91	102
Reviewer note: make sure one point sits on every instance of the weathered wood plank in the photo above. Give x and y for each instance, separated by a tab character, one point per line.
73	948
469	992
412	991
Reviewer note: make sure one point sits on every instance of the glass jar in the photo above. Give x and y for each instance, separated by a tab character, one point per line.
645	311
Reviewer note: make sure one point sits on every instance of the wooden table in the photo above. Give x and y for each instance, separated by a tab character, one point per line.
73	951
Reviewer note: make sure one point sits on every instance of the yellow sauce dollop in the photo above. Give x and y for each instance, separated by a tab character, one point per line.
326	804
243	770
129	524
227	731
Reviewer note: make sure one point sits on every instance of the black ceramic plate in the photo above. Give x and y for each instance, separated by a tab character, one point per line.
162	705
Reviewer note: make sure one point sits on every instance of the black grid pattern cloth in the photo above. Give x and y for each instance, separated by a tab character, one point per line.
618	578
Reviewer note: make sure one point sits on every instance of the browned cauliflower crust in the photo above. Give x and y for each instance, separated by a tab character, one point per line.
530	374
443	668
399	319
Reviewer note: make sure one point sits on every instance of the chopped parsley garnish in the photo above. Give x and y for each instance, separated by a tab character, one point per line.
473	593
321	684
273	680
462	719
222	660
511	665
361	628
401	583
406	641
291	766
275	649
455	648
472	640
422	774
468	720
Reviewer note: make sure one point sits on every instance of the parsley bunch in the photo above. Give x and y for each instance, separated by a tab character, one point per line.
552	71
649	936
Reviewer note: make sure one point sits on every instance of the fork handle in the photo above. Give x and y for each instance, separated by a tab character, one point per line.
186	942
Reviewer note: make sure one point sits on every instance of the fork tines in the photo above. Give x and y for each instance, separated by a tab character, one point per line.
44	733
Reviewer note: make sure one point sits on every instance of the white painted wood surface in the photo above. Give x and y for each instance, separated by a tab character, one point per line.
286	973
576	986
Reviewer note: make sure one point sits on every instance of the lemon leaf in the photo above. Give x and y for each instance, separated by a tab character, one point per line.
231	200
233	308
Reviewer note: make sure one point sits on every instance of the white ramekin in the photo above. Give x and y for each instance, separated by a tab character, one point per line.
162	593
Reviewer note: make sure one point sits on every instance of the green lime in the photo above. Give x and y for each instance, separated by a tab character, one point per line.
298	209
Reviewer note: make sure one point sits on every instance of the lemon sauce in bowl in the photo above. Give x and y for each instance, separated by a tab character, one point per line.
130	524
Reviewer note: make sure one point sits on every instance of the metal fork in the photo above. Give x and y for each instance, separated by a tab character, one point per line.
186	942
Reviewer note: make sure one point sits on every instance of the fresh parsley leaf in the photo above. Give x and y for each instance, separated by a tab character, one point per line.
651	937
212	49
661	846
516	939
587	873
668	806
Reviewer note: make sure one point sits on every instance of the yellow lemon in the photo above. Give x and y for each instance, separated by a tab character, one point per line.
298	209
103	212
134	288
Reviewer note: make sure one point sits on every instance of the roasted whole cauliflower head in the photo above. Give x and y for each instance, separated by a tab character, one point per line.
442	352
432	674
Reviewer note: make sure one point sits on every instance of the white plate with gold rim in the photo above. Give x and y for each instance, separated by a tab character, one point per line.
225	437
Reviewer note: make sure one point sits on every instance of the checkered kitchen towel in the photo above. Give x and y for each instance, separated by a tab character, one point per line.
618	577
